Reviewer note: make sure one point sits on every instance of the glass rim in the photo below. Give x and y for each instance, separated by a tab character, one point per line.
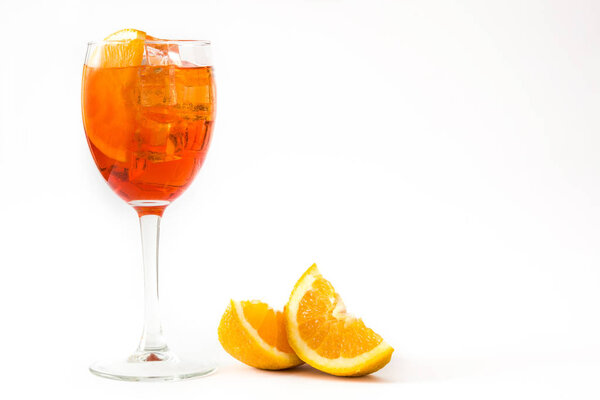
180	42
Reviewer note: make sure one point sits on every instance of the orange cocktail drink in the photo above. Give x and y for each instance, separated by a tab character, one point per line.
148	127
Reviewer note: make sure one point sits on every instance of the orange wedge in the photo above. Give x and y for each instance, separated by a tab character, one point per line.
326	337
124	48
254	333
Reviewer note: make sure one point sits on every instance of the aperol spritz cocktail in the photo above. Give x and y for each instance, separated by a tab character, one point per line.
148	112
148	128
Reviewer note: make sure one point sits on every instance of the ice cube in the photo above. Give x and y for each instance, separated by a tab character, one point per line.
159	142
157	87
136	168
161	54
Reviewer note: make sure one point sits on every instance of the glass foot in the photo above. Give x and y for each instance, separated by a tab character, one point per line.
152	366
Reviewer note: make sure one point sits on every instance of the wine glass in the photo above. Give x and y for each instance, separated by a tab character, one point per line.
148	125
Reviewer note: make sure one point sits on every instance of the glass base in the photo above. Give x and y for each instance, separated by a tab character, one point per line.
152	366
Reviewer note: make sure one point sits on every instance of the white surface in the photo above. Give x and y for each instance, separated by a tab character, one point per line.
438	160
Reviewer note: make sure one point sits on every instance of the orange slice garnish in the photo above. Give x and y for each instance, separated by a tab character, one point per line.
124	48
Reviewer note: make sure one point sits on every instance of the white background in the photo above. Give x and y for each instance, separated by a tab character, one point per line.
437	159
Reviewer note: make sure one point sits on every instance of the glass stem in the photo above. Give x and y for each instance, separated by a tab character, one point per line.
152	337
